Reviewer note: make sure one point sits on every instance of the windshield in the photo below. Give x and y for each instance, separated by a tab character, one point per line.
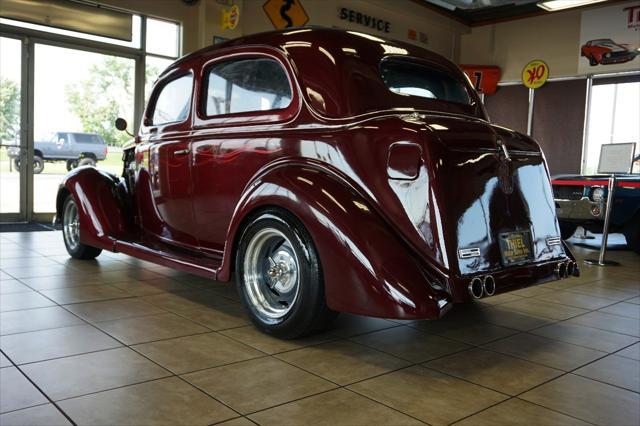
414	79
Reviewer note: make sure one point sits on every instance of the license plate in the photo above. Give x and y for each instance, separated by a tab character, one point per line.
515	247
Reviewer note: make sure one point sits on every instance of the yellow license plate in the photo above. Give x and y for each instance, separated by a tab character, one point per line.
515	247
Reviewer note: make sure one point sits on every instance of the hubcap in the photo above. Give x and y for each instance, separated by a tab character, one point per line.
71	225
271	279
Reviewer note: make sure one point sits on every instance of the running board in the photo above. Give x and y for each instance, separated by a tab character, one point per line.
203	266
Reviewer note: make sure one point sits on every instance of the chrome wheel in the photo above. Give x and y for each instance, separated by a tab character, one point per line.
271	274
71	225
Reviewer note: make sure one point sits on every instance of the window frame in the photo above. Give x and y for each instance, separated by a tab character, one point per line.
201	119
205	88
160	85
427	64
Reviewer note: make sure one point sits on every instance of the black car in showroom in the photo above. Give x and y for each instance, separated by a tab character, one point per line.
581	201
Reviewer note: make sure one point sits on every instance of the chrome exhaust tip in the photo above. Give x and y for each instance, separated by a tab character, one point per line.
571	268
489	285
476	288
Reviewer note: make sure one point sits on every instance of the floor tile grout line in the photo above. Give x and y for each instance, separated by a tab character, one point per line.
34	384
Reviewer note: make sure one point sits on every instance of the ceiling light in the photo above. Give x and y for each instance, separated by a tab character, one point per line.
554	5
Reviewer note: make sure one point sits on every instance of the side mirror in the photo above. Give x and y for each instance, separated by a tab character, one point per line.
121	124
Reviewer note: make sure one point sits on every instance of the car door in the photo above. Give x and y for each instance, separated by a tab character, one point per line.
240	94
163	155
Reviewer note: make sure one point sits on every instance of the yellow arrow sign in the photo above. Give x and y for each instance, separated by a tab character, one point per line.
285	13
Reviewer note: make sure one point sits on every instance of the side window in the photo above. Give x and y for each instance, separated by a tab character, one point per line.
173	102
243	85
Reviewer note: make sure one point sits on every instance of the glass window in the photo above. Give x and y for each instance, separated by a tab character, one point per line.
613	118
155	66
413	79
162	37
257	84
87	138
173	102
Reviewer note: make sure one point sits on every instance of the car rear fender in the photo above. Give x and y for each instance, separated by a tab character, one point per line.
367	269
101	205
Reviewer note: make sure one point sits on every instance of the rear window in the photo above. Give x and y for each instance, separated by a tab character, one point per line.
87	138
413	79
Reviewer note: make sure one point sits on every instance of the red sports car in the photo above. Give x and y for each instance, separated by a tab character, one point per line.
605	51
332	171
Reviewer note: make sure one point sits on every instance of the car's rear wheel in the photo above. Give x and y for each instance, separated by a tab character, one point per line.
71	164
71	232
279	277
567	229
632	233
593	61
86	161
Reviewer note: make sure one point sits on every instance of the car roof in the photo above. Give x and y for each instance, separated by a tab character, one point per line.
335	67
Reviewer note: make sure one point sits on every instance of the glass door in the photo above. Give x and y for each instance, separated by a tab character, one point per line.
13	185
78	94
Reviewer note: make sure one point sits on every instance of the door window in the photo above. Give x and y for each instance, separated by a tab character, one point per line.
244	85
172	104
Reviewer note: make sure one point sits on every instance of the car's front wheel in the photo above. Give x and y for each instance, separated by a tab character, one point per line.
87	161
38	164
632	233
279	276
567	229
71	232
593	61
71	164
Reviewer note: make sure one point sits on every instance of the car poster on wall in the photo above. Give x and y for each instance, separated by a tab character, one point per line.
610	38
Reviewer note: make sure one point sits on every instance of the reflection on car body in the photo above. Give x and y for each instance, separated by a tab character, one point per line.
331	171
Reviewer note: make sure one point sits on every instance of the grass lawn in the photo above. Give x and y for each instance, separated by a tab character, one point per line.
112	163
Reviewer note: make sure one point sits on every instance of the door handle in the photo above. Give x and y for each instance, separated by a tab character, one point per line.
181	152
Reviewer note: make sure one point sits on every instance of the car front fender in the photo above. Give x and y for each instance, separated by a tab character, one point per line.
367	269
101	208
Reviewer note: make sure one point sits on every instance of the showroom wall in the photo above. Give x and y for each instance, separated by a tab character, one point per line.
510	45
202	20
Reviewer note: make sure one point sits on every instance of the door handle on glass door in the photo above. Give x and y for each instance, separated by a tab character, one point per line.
181	152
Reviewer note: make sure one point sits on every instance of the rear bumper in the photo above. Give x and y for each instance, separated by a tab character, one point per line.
580	210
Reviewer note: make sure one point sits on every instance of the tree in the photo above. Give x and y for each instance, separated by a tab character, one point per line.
104	96
9	110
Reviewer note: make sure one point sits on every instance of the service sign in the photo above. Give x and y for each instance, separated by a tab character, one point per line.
484	78
285	13
610	39
535	74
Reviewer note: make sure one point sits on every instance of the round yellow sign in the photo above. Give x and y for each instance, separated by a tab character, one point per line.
535	74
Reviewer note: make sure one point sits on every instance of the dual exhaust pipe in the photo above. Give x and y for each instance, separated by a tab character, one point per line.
482	286
565	269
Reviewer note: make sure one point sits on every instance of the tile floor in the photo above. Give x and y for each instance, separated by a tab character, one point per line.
121	341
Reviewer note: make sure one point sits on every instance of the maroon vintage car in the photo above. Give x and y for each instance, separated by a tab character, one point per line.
332	171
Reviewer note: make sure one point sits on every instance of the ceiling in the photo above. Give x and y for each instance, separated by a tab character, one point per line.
477	12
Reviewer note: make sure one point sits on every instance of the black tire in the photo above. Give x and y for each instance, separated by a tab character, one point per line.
87	161
632	233
567	229
307	311
592	61
75	248
38	164
16	164
71	164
